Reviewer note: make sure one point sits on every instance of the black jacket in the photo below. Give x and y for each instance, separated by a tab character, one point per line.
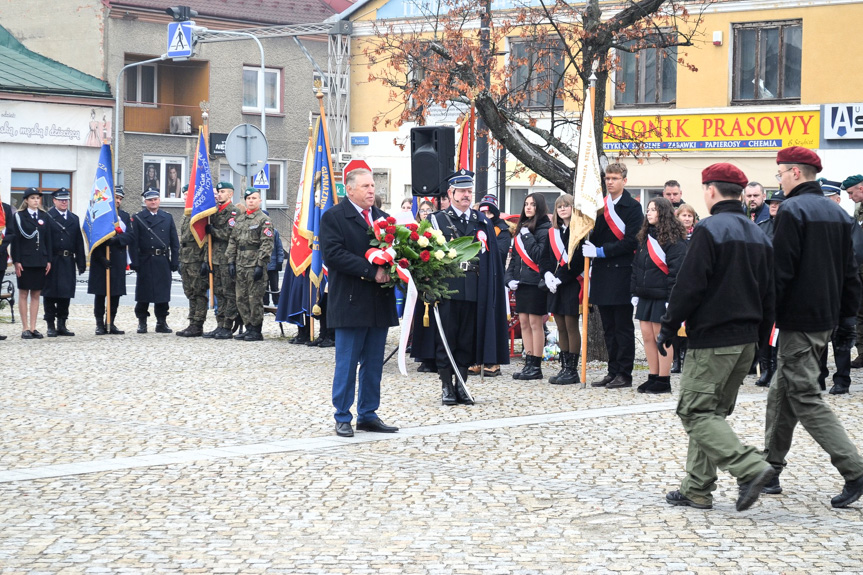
8	236
119	244
67	255
567	274
816	274
724	289
355	298
534	245
650	282
610	277
34	252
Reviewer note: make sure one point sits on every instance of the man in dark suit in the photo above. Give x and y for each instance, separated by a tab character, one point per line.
68	254
612	246
359	308
156	257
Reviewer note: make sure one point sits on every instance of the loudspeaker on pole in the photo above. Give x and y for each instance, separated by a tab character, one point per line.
432	159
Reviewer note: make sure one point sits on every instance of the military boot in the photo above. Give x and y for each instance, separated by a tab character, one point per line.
142	325
212	334
447	391
62	330
570	371
52	331
115	331
533	369
241	334
253	333
223	332
100	326
461	394
162	326
563	361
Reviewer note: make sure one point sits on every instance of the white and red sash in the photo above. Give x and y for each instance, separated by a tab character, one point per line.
618	228
519	247
657	254
774	336
558	247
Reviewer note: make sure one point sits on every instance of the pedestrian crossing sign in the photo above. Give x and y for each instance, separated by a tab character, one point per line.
262	179
180	39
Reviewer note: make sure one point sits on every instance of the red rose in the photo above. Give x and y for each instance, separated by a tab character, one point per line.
381	224
425	255
391	229
415	236
391	220
427	234
389	238
404	263
412	227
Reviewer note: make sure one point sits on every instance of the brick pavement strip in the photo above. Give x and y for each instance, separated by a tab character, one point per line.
150	466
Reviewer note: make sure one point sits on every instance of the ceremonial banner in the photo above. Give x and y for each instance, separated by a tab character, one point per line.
466	142
300	254
100	223
587	193
324	190
200	197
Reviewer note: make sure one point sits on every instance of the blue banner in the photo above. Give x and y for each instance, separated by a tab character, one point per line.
203	194
324	189
100	223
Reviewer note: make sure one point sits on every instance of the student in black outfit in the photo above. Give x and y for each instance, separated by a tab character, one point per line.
31	254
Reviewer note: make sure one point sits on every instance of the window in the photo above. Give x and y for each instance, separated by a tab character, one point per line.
272	90
43	181
767	59
326	80
538	73
644	195
518	195
141	85
166	174
647	77
275	193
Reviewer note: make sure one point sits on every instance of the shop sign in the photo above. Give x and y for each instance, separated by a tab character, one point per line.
762	131
842	121
54	124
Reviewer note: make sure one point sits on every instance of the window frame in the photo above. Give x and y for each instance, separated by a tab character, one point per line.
641	76
163	161
531	93
280	199
280	88
19	190
138	103
736	79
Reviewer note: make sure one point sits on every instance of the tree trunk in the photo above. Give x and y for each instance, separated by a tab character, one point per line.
595	337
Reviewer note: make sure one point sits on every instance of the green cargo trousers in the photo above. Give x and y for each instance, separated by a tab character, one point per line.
795	396
708	392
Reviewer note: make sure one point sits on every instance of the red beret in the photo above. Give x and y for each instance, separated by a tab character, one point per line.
798	155
724	172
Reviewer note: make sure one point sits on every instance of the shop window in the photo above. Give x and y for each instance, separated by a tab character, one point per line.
45	182
647	77
767	62
272	90
167	174
538	73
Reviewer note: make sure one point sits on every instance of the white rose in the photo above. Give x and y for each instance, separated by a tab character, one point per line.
437	233
440	240
423	242
439	255
452	254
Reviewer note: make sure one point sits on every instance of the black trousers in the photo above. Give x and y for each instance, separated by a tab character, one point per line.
159	309
842	376
272	286
99	306
56	308
459	325
619	332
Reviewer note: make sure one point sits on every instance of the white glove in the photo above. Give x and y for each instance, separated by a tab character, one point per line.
588	250
666	305
513	285
524	231
549	278
634	301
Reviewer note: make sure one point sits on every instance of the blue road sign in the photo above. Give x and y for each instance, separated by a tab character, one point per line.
262	180
180	40
359	140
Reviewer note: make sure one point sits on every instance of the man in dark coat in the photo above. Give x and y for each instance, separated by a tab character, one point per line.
67	254
120	244
156	256
474	318
359	309
612	246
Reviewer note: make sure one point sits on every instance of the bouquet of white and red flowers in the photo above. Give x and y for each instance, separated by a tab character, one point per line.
423	252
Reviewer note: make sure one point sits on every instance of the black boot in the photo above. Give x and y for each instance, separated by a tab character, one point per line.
461	395
162	325
52	331
447	389
643	387
533	369
223	332
61	328
563	364
241	335
100	326
676	349
142	325
115	331
661	384
302	336
253	333
768	368
570	373
212	334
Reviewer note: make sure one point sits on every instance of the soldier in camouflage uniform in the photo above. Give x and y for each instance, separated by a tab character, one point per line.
194	272
224	286
248	254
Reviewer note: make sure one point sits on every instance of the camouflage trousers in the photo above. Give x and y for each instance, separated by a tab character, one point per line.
195	287
225	288
250	296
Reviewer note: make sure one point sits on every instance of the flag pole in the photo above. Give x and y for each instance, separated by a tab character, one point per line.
205	118
108	286
584	296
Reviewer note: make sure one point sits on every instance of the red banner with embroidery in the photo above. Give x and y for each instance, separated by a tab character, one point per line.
558	247
519	247
618	228
657	254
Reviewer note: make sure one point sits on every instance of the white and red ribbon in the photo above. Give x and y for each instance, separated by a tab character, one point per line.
519	247
657	254
381	257
618	228
407	315
774	336
483	239
558	247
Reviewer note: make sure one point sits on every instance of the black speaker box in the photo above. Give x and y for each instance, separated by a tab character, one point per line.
432	159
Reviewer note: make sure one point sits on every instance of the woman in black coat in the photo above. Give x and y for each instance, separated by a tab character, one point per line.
522	276
31	255
561	271
661	249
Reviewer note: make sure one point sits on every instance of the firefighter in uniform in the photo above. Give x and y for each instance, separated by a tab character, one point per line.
68	254
119	244
224	286
248	254
156	257
194	272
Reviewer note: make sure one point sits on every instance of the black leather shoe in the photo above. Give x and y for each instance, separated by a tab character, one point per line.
142	326
344	429
115	331
36	335
838	389
376	425
850	493
26	334
425	367
620	382
326	342
603	382
772	488
751	491
162	327
210	334
677	498
52	331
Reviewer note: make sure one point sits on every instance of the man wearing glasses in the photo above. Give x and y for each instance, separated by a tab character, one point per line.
68	254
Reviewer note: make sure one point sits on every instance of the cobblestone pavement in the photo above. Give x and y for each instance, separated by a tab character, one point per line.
201	456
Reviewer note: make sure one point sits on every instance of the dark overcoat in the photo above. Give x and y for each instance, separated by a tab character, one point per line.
120	245
156	255
34	252
611	275
67	255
